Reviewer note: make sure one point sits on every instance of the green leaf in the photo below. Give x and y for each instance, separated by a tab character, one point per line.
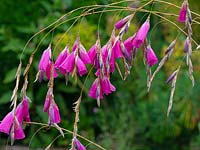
10	76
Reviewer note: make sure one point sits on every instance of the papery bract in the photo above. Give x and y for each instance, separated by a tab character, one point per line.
186	45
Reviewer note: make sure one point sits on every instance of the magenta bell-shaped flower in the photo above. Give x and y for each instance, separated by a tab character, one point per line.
51	108
76	60
183	12
77	144
151	56
61	57
122	22
53	112
18	131
45	64
10	122
6	123
22	111
141	34
101	87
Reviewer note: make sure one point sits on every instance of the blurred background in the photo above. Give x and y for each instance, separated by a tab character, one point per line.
129	118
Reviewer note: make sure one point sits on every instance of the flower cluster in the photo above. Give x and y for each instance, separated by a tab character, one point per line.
12	122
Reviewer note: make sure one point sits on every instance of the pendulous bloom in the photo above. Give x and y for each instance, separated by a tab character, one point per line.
101	87
76	60
61	57
51	108
122	22
22	111
45	64
77	144
141	34
12	125
151	56
183	12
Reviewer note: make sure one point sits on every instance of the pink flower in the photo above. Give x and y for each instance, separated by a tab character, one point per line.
95	90
81	51
84	55
22	111
68	65
122	22
53	112
128	44
11	126
18	131
141	34
80	66
45	63
61	57
6	123
48	71
150	56
183	12
76	61
77	144
51	108
101	87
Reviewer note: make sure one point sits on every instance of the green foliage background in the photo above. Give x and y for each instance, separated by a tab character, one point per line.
130	118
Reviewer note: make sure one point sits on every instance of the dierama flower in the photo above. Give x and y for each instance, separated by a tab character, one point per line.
22	111
122	22
11	126
51	108
183	12
45	63
151	56
77	144
100	87
61	57
76	61
141	34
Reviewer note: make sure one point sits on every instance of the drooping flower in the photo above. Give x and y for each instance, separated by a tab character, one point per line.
183	12
18	131
11	126
122	22
76	60
22	111
61	57
80	66
77	144
141	34
51	108
53	112
45	63
186	45
100	87
6	123
151	56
